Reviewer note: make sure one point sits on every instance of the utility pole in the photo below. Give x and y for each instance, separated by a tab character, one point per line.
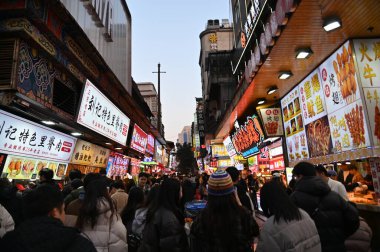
159	98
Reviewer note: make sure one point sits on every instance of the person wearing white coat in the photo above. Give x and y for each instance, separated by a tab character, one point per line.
288	228
98	219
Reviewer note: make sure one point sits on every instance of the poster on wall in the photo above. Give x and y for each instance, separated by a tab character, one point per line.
339	79
99	114
312	98
272	121
248	137
23	137
139	139
368	61
319	137
19	167
294	126
349	128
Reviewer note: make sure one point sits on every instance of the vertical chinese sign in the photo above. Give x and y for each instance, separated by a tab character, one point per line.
200	120
98	113
368	61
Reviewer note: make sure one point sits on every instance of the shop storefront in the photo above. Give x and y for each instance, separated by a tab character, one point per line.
331	118
26	147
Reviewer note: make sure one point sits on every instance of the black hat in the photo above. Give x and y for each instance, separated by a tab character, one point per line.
304	169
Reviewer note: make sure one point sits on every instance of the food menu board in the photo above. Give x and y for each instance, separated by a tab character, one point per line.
271	118
339	79
349	128
18	167
312	98
368	61
294	126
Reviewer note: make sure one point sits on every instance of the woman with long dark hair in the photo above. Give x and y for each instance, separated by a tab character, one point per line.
164	228
287	228
135	200
224	225
98	218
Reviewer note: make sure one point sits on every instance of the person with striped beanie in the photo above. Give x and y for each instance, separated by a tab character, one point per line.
223	225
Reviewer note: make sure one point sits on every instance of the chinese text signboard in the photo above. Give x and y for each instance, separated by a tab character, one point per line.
150	145
118	165
98	113
346	114
201	121
272	121
229	146
294	126
86	153
23	137
248	137
139	139
218	150
368	61
339	79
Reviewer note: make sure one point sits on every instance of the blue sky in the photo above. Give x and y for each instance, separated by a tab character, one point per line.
167	32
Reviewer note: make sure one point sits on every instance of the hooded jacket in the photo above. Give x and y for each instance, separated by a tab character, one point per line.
334	217
294	236
45	234
109	234
164	233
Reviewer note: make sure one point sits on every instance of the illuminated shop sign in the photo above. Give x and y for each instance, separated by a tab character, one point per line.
248	137
98	113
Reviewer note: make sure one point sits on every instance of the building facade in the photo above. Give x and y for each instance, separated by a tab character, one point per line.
149	93
218	85
185	136
65	80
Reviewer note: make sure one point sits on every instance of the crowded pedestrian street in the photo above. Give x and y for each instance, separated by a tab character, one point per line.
189	126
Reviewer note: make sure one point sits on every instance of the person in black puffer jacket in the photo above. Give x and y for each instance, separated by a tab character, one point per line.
164	228
334	217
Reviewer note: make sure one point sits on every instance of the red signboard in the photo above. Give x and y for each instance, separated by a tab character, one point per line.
139	139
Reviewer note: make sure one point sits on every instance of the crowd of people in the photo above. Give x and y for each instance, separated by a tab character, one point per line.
96	213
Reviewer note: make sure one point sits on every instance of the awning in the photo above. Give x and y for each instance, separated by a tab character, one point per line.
149	163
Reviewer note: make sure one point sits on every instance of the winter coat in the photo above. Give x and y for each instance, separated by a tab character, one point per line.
138	224
107	236
294	236
120	197
6	221
43	234
73	195
11	200
240	236
360	241
164	233
334	217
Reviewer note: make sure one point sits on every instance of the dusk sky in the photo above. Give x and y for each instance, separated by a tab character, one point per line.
167	32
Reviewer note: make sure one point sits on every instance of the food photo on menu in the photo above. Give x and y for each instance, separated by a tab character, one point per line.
285	113
297	106
291	110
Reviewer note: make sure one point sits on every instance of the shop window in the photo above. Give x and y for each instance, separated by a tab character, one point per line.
6	61
64	97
